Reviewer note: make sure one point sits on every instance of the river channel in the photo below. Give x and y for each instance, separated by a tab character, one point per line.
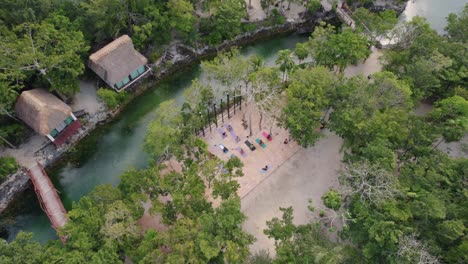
113	148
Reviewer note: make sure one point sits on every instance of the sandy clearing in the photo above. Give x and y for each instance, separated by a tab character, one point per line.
369	66
255	11
87	99
308	174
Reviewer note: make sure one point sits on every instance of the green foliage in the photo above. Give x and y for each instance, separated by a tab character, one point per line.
330	49
49	51
8	165
13	132
456	25
332	199
377	25
313	6
308	95
367	111
182	18
111	98
22	250
301	51
285	62
452	115
226	21
304	243
275	18
433	64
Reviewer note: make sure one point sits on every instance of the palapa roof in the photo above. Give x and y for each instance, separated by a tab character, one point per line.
116	60
41	110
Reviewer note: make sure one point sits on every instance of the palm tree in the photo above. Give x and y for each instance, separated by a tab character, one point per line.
285	62
301	51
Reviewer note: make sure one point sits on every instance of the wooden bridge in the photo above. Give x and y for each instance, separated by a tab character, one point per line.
341	11
48	197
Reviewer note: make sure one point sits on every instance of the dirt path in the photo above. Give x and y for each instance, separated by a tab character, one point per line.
307	175
255	11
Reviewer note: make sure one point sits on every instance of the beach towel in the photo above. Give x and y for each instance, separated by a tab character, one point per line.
231	131
258	141
242	152
265	134
250	145
220	131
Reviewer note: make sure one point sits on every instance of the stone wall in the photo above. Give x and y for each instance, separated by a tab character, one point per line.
10	188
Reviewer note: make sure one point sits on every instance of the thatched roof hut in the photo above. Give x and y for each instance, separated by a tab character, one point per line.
41	110
118	63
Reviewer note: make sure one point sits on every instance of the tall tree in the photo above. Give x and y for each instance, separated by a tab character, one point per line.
285	62
181	16
337	49
456	25
308	96
50	50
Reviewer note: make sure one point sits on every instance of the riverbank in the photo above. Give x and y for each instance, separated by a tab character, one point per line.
182	57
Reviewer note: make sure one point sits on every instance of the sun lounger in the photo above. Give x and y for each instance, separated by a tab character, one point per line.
265	134
250	145
263	145
220	131
242	152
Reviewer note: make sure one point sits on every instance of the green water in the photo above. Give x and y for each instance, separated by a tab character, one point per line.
110	150
103	156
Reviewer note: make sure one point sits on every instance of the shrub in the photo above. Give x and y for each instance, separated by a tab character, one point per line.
249	27
13	132
111	98
276	18
332	199
313	6
8	165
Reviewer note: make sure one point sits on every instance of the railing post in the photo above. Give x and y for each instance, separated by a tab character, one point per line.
215	115
234	98
240	102
208	117
222	111
229	115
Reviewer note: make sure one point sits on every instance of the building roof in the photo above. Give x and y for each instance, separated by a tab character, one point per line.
116	60
41	110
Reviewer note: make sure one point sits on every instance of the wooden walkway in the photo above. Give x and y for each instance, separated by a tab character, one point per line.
345	18
48	197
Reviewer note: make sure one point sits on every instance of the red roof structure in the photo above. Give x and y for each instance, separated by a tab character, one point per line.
67	133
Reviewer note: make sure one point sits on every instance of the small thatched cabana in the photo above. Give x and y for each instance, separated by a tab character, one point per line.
47	115
118	63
